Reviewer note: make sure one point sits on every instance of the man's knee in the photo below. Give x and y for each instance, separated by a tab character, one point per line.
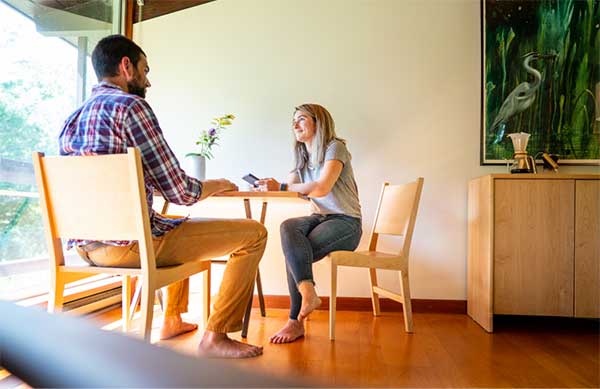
260	231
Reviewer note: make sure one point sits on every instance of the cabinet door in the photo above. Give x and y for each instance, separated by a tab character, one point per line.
533	247
587	248
480	255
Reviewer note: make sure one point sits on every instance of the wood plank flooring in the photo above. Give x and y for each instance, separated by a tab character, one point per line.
446	350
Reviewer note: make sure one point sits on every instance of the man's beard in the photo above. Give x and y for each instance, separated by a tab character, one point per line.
137	90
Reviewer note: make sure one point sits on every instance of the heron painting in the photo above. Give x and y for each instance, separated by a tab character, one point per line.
541	75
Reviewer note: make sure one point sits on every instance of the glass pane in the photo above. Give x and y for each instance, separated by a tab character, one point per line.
41	83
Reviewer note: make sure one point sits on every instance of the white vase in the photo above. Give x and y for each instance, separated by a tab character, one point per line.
197	167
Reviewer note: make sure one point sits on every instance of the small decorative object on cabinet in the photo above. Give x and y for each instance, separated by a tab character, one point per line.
533	246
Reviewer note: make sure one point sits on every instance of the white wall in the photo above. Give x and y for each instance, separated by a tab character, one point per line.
401	79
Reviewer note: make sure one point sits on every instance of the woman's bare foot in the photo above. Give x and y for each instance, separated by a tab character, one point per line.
291	331
174	326
310	300
219	345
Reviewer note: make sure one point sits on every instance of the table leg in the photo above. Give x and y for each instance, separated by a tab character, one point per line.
248	208
261	298
247	317
263	212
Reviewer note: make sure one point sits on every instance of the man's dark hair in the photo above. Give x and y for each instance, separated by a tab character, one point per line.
110	50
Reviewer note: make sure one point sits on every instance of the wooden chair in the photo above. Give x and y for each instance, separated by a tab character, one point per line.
103	198
396	214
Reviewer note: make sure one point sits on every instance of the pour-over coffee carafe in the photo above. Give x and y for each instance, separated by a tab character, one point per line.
523	163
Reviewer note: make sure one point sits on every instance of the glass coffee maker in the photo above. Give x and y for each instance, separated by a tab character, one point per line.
523	163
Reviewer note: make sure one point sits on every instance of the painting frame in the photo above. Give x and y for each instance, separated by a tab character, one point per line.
575	141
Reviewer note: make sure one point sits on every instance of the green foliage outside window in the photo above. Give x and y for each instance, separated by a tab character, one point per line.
33	104
18	135
21	231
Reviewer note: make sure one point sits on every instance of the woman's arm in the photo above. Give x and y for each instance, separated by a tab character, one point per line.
319	188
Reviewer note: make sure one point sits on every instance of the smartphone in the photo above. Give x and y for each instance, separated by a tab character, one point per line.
251	179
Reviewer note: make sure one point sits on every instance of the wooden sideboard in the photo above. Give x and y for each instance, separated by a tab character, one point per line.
533	246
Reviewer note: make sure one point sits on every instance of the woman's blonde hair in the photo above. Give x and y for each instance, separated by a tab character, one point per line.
324	133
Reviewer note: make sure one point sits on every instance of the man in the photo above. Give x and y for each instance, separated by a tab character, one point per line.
117	116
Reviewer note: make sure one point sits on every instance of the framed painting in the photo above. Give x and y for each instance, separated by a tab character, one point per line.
541	75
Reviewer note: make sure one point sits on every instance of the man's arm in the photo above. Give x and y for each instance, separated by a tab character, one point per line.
158	160
211	187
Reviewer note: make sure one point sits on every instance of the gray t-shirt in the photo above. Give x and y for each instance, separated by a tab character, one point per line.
343	198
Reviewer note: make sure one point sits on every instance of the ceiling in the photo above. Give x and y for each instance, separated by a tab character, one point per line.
101	10
154	8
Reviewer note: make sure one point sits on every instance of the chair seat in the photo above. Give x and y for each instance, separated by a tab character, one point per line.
86	268
370	259
165	275
169	274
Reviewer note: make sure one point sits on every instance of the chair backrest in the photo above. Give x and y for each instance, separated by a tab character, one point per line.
100	197
397	212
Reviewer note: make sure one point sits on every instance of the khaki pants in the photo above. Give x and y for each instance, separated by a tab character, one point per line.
195	239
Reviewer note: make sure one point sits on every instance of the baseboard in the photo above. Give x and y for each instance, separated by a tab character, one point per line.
364	304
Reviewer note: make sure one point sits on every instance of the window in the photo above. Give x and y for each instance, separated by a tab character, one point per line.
45	72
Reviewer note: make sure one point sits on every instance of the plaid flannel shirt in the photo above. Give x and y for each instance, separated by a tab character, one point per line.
112	120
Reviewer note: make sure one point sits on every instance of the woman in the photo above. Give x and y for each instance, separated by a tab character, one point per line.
324	173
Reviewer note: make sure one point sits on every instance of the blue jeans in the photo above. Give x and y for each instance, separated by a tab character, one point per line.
308	239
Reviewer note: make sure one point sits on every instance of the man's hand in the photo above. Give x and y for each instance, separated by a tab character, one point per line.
211	187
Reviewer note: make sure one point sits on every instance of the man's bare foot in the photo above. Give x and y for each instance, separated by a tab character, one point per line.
291	331
219	345
174	326
310	300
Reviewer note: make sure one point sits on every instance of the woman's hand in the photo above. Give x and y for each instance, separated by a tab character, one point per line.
268	185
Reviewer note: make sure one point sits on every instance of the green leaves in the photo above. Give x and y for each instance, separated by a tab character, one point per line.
208	138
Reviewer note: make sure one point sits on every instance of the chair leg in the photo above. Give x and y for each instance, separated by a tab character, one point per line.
261	297
332	301
374	296
206	295
136	298
147	312
406	304
56	297
125	296
159	296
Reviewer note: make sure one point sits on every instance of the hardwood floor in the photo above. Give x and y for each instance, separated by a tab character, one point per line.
446	350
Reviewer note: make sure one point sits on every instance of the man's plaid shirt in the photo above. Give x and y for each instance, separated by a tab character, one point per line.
112	120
